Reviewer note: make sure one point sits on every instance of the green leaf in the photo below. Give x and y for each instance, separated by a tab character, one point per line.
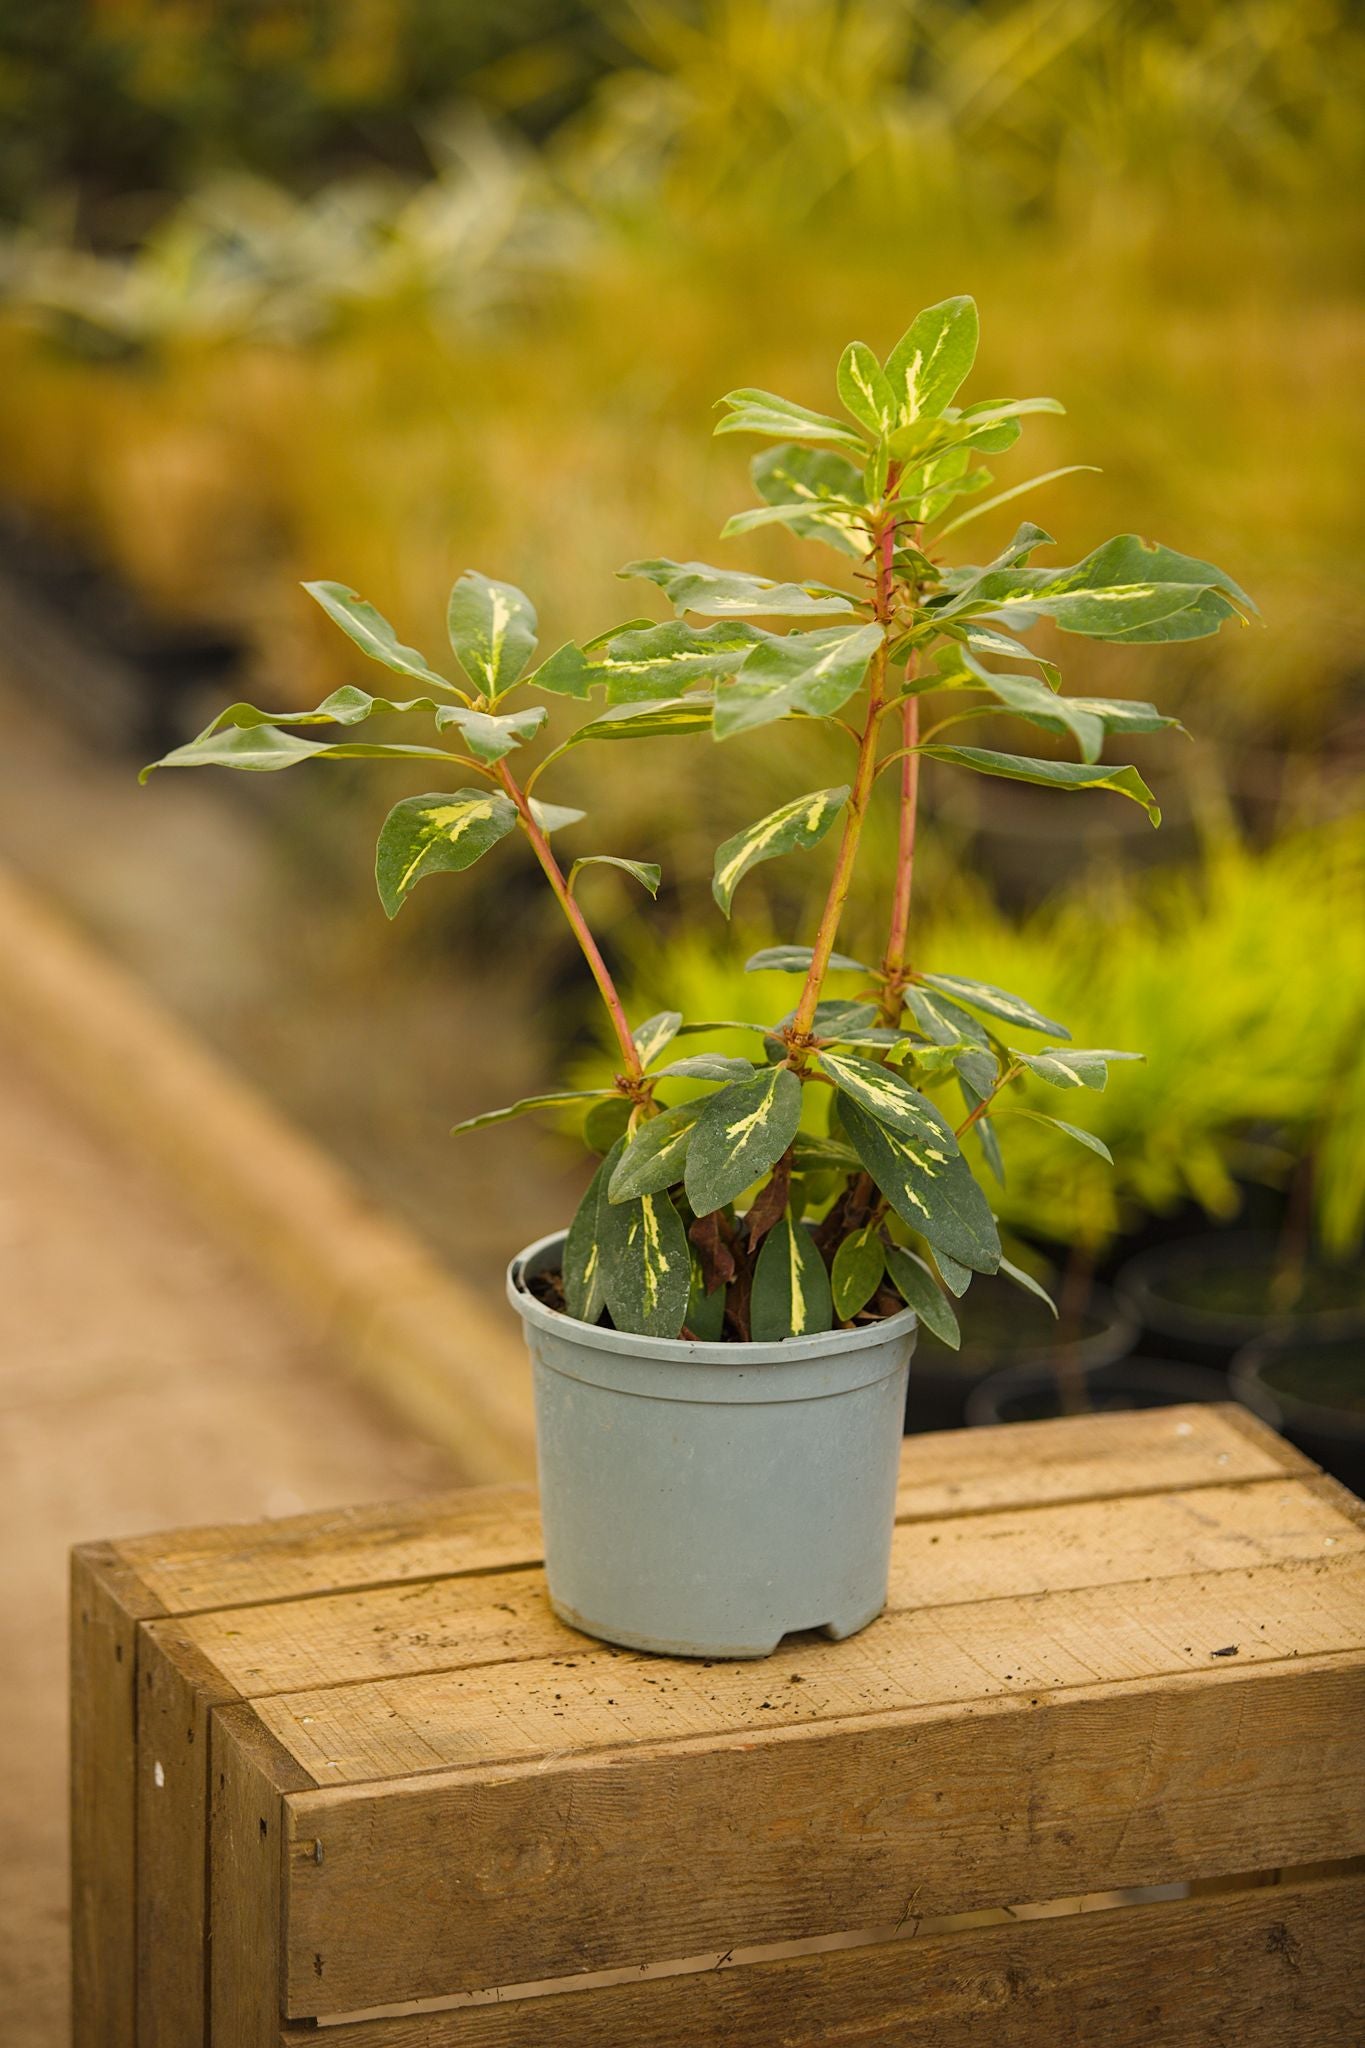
1027	1282
920	1291
1086	1138
1125	590
489	737
1033	483
526	1105
581	1271
709	1066
648	721
1088	719
837	1017
826	484
372	632
791	1293
857	1273
696	587
864	390
885	1094
932	358
646	1265
1052	774
996	1002
781	419
654	1158
810	673
796	960
643	664
567	673
437	834
261	749
554	817
346	706
605	1122
956	1278
929	1187
844	526
1071	1066
941	1019
655	1033
813	1154
492	629
742	1131
646	872
795	828
705	1312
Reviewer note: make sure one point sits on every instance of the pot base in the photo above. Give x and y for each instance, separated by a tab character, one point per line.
837	1631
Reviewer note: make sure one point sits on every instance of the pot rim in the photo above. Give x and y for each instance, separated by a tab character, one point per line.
681	1350
1246	1371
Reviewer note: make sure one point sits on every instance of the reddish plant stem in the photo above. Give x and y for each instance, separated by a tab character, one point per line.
894	959
578	924
884	547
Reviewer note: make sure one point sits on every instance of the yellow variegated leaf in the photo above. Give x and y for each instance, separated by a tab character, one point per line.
794	828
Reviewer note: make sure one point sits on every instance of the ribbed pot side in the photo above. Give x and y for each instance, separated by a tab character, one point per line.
704	1500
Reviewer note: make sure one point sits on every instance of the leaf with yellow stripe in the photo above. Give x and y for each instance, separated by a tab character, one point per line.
858	1267
655	1157
741	1132
440	833
930	1188
646	1265
581	1265
492	629
889	1097
791	1291
795	828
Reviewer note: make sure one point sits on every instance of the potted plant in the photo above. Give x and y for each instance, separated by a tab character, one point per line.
721	1337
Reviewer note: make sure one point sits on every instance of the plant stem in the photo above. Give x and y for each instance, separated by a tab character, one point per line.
894	961
884	545
578	924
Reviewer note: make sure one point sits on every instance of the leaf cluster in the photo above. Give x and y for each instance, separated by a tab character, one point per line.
726	1213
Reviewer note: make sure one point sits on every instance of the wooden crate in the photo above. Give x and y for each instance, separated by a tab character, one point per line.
348	1768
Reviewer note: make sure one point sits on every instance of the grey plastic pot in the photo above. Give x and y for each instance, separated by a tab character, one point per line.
704	1500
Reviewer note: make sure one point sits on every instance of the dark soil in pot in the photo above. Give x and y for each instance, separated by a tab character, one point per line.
1316	1384
1204	1298
1003	1327
1027	1394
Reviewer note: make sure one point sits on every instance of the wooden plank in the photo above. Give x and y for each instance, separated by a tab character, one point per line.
571	1863
502	1617
106	1602
496	1528
177	1692
250	1778
936	1656
1259	1969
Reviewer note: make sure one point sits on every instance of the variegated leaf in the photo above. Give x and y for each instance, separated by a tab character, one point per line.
437	834
528	1103
929	1187
824	482
795	828
1070	775
1071	1066
581	1269
796	960
996	1002
372	632
647	873
647	721
554	817
781	419
742	1131
646	1265
492	629
814	1154
791	1291
261	749
865	391
709	1066
489	736
857	1272
720	593
920	1291
1055	1123
810	673
887	1096
654	1158
932	358
655	1033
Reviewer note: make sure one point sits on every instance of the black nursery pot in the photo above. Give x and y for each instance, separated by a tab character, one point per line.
1001	1326
1028	1394
1203	1299
1315	1385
